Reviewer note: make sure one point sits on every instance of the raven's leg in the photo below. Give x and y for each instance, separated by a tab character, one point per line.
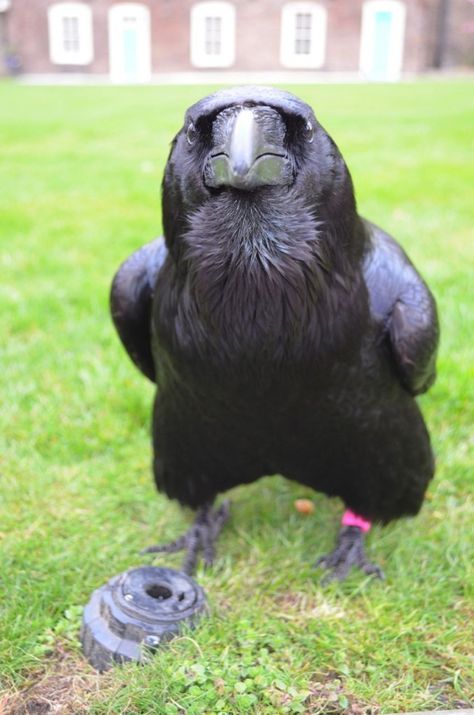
201	536
349	551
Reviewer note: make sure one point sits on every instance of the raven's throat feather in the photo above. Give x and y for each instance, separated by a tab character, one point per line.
244	257
259	280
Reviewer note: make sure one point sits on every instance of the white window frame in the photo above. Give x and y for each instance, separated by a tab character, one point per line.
58	53
141	13
288	56
199	12
397	37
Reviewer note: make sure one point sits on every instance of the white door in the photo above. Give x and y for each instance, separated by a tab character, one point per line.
382	39
129	42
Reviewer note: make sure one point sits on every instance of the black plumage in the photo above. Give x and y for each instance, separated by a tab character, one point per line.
285	333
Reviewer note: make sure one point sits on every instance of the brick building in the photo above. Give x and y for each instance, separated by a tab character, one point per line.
133	41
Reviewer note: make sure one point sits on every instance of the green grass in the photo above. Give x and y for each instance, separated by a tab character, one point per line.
80	170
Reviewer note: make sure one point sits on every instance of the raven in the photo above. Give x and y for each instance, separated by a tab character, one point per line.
285	333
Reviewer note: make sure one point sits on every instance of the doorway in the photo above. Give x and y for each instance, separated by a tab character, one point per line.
129	43
382	39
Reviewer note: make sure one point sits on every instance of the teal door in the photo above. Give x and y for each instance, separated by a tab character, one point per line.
130	51
383	21
129	42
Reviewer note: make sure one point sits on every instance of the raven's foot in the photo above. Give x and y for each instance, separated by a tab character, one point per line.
201	536
349	553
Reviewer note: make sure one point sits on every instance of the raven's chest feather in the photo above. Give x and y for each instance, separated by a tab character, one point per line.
259	291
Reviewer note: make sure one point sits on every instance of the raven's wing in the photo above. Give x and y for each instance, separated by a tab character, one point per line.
401	301
130	302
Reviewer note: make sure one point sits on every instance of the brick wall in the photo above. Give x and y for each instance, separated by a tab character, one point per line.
257	34
460	40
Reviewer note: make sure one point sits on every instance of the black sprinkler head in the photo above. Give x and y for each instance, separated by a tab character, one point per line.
135	612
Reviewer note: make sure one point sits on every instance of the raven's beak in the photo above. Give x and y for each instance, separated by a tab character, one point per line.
250	156
244	141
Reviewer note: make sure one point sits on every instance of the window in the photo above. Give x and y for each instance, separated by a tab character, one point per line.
70	33
303	35
382	39
213	34
129	42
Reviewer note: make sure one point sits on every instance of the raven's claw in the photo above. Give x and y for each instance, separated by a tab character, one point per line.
201	536
349	552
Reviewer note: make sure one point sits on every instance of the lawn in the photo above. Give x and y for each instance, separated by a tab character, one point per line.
80	172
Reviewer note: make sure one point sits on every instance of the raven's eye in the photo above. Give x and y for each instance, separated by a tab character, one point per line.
309	132
191	134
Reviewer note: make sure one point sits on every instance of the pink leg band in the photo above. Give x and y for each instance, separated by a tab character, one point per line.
351	519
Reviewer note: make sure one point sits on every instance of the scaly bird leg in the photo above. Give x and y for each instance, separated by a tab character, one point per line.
201	536
349	551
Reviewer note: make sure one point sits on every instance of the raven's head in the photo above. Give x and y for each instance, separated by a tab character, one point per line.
259	146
